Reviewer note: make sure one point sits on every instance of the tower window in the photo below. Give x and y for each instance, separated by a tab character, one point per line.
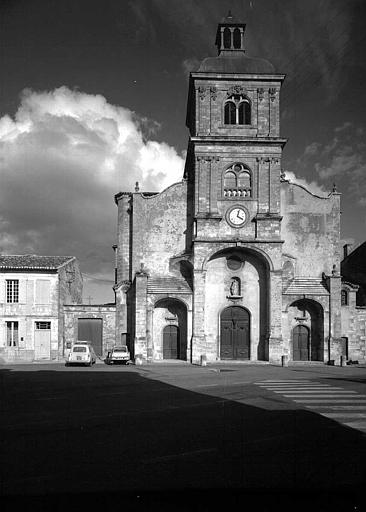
344	298
237	110
227	38
230	112
237	39
237	181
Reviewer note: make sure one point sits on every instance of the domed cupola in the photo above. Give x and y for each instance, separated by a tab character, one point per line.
231	56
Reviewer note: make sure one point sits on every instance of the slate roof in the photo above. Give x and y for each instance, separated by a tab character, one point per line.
236	64
168	285
306	286
32	262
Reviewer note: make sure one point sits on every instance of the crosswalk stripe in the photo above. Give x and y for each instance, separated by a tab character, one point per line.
328	395
330	400
357	415
339	407
359	425
308	390
333	402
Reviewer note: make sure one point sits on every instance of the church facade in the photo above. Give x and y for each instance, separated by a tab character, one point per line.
235	262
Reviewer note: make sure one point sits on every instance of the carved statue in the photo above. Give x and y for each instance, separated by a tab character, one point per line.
234	287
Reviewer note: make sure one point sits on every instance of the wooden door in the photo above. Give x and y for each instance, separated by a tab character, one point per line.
171	342
42	344
235	333
301	343
91	329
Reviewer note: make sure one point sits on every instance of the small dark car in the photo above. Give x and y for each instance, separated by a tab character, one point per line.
118	355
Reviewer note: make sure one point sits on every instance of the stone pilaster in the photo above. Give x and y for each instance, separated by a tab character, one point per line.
121	290
335	325
141	314
198	337
276	348
123	250
149	333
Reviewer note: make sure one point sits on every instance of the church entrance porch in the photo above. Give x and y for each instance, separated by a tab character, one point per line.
307	319
235	333
169	330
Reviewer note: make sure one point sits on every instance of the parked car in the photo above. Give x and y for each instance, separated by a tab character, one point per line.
81	353
118	355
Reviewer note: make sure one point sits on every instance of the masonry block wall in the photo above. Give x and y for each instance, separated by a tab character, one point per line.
310	229
158	229
72	314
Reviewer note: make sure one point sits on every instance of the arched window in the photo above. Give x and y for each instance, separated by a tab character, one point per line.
237	39
237	110
244	112
230	180
227	38
344	298
230	112
237	181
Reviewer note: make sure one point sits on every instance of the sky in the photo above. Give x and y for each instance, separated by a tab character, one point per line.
93	98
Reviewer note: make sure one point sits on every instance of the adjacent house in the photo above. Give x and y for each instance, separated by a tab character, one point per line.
33	291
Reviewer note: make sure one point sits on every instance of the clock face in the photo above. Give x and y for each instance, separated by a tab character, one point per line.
237	216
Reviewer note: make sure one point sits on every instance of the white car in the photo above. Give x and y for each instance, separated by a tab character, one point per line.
81	353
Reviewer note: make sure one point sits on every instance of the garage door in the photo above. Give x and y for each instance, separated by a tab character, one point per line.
91	329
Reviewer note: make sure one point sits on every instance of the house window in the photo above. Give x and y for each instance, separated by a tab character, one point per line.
12	334
12	291
42	326
344	298
237	110
42	291
237	181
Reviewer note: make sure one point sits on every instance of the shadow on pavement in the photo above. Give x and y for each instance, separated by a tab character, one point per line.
118	437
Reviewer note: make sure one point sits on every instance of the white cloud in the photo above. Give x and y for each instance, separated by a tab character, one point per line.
62	158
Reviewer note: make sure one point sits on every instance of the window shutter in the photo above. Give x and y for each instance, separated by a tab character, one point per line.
2	290
30	287
42	291
22	291
3	334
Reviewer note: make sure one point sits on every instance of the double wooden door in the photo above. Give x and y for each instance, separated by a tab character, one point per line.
235	333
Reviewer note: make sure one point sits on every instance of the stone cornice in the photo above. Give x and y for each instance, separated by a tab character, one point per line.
237	242
233	140
275	77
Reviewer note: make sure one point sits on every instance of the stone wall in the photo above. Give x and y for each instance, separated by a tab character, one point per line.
310	229
72	313
354	327
158	229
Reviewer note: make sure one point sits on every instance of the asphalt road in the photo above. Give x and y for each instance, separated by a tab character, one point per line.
229	431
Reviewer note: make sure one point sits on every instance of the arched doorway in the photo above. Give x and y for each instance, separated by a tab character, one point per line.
307	318
301	343
171	342
235	333
169	330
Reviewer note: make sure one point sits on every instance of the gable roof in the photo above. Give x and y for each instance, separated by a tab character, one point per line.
306	286
32	262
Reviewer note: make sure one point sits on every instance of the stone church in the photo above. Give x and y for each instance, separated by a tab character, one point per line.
234	262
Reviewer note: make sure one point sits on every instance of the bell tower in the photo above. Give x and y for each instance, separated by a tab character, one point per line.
233	168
